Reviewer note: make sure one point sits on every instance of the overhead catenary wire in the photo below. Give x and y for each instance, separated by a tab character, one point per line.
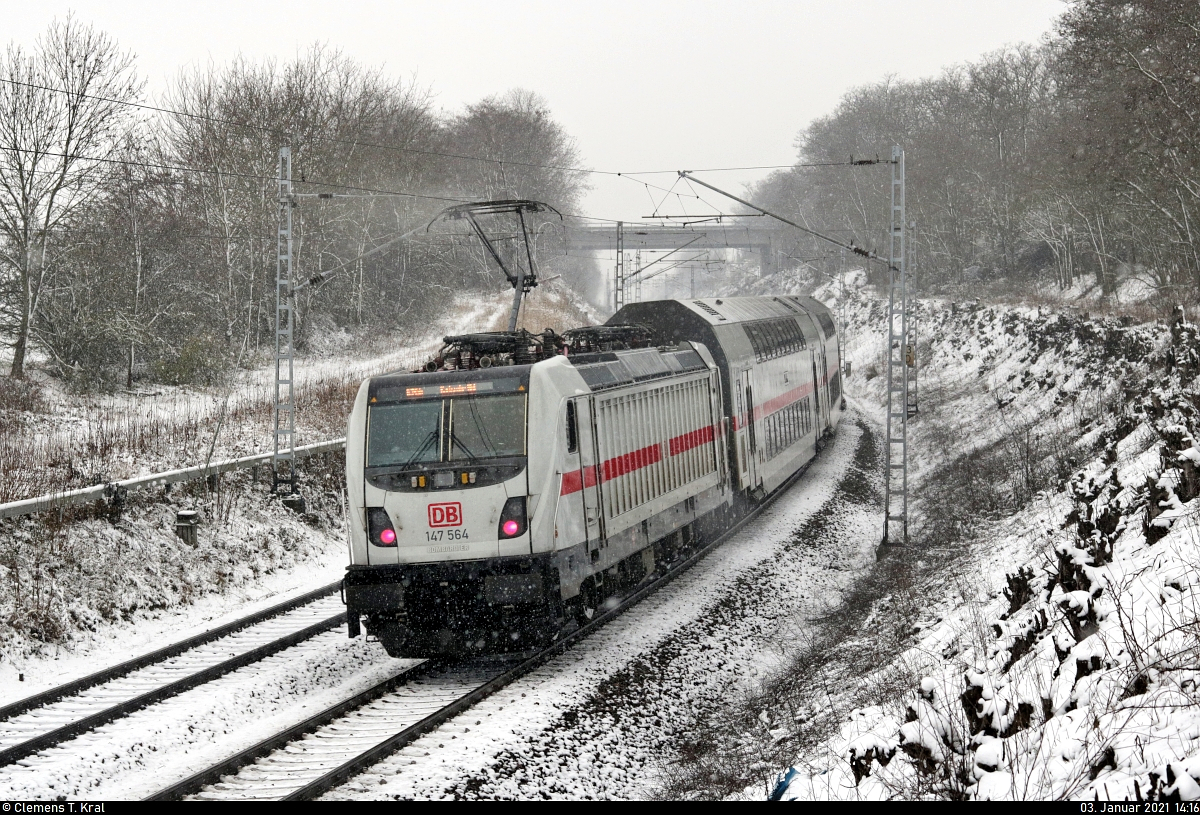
327	274
699	197
325	139
638	272
256	177
858	250
666	195
667	191
231	173
372	191
436	153
698	259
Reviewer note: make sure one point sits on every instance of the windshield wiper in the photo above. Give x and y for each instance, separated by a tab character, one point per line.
458	443
480	431
429	439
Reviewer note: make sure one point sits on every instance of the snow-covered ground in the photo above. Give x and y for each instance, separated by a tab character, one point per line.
1059	652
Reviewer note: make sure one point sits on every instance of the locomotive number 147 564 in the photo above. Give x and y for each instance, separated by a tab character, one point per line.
446	534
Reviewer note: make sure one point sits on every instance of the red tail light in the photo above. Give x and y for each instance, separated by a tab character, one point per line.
379	527
512	519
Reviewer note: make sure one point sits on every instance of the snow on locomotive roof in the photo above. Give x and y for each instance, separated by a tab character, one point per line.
717	311
608	370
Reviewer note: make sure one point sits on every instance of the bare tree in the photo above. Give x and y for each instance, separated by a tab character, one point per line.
527	154
351	128
62	109
1134	106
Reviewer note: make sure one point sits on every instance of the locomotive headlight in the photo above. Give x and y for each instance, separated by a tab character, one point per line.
512	518
379	527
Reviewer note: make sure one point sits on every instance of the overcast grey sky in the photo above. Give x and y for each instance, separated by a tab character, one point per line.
640	84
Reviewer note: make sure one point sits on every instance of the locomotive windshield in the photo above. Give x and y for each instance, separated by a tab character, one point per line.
485	428
459	429
404	434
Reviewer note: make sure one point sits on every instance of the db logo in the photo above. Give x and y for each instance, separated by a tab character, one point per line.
445	514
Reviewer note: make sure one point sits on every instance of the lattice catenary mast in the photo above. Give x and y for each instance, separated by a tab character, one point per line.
895	502
619	288
283	460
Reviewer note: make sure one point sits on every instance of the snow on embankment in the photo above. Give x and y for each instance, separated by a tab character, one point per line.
1062	660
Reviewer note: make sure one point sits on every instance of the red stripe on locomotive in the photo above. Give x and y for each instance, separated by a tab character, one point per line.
576	480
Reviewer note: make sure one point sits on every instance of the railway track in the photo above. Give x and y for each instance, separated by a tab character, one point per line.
306	759
295	765
324	751
49	718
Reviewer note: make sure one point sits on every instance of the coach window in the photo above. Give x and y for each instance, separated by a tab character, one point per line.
758	339
766	341
793	336
572	431
776	337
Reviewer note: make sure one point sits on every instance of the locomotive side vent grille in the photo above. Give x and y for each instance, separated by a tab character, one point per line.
707	308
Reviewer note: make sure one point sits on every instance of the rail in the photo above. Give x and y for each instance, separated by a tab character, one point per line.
47	697
381	750
86	495
101	717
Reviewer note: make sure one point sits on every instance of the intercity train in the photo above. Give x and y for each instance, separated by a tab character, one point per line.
521	481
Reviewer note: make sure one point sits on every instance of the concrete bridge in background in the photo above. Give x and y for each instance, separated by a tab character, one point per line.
635	236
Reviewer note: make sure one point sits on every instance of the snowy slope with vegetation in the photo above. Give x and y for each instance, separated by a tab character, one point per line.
1045	640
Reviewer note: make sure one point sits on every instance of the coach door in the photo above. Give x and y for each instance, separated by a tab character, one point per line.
591	471
826	393
751	431
818	421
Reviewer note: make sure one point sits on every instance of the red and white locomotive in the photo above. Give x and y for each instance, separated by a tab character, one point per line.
524	479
